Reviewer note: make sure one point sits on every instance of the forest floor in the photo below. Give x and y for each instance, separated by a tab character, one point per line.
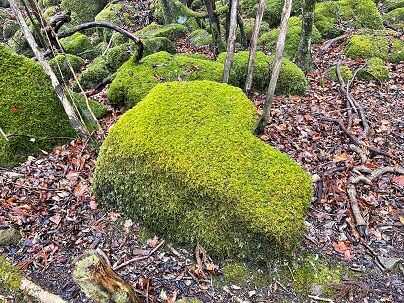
49	198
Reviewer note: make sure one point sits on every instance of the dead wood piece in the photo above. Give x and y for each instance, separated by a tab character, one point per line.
361	224
108	25
99	282
38	293
328	43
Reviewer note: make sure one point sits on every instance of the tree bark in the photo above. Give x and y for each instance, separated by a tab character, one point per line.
94	275
168	11
265	118
304	58
253	45
71	114
231	41
214	25
243	36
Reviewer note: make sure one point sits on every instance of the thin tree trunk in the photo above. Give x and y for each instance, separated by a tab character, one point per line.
243	37
304	58
253	45
231	41
168	11
214	25
71	114
265	118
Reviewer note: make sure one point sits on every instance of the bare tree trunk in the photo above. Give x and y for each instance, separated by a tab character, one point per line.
71	114
304	59
253	45
276	67
168	11
243	37
231	41
214	25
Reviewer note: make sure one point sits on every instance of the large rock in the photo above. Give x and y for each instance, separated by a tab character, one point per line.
83	10
30	114
185	161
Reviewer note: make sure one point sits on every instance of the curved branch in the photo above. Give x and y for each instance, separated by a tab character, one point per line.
104	24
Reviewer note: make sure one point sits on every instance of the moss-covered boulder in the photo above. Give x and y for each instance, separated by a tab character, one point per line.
331	15
170	31
77	44
291	81
20	45
395	18
185	161
30	114
62	65
367	46
269	39
133	81
157	44
200	37
273	11
83	10
10	277
346	73
249	27
396	51
389	5
375	69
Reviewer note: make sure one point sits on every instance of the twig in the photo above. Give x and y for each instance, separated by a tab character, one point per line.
317	298
349	105
361	225
139	258
3	134
328	43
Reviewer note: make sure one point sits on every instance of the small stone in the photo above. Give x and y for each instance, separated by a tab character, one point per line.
252	293
9	236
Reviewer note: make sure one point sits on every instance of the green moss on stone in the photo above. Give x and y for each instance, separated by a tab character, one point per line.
77	44
189	300
60	65
30	113
157	44
133	81
346	73
395	18
185	162
200	37
10	277
291	78
389	5
396	51
50	12
249	27
269	39
20	45
375	70
170	31
363	13
367	46
326	17
83	10
235	273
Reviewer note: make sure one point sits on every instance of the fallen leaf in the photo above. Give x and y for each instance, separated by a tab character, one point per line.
399	180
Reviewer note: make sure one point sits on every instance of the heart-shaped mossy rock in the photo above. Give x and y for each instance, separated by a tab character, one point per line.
184	161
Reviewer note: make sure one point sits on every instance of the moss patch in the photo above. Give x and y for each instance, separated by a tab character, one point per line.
395	18
367	46
185	162
375	70
269	39
30	113
200	37
346	73
60	65
170	31
77	44
292	80
133	81
396	51
83	10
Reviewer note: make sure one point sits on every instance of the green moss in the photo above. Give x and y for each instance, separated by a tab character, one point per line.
10	27
312	273
157	44
389	5
50	12
273	10
10	277
200	37
185	162
292	41
94	73
189	300
346	73
367	46
235	273
48	3
395	18
375	70
20	45
363	13
249	27
77	44
396	51
326	17
60	65
111	13
30	113
83	10
170	31
133	81
291	78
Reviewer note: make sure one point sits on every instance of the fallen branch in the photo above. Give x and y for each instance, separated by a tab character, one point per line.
317	298
328	43
35	291
108	25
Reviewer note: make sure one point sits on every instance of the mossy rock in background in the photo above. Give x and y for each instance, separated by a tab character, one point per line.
396	51
389	5
291	81
157	44
133	81
185	162
20	45
273	12
83	10
4	3
367	46
200	37
358	13
30	112
77	44
50	12
249	27
170	31
269	39
48	3
8	30
395	18
10	276
346	73
375	69
60	65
